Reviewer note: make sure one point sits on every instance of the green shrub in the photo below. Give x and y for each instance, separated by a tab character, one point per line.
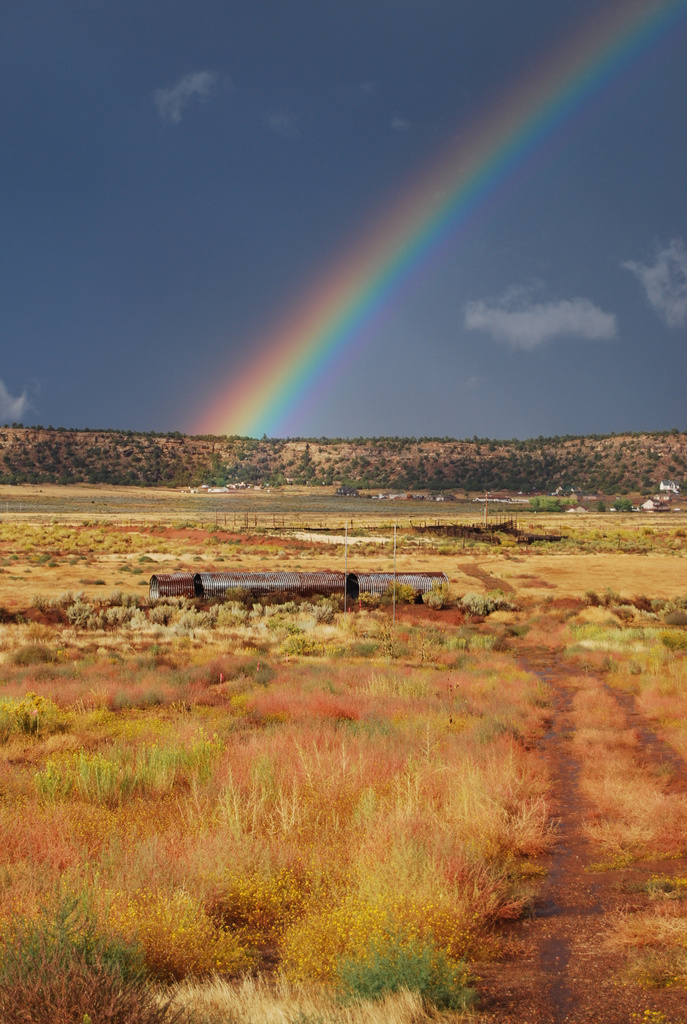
161	614
191	620
405	594
33	654
32	715
59	968
240	595
302	646
259	671
65	927
80	614
674	640
280	624
118	774
323	611
437	597
677	617
363	649
117	615
484	604
233	613
400	960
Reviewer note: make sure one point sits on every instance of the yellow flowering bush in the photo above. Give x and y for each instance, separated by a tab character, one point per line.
666	887
260	907
177	936
314	945
30	714
301	646
674	639
239	704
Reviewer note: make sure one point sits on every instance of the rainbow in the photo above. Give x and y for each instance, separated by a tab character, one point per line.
346	305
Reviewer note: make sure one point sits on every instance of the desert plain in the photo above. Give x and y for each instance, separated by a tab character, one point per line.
274	809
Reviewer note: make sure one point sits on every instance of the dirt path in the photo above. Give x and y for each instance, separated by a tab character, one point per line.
490	582
557	966
657	752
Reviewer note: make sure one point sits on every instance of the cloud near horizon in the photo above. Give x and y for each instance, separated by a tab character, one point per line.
12	408
665	283
172	101
527	325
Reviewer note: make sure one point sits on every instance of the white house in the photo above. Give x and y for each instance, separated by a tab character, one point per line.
669	485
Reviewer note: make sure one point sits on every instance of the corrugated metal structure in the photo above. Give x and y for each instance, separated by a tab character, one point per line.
217	584
175	584
379	582
220	584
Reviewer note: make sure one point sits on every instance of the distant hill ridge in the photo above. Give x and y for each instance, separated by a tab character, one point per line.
611	464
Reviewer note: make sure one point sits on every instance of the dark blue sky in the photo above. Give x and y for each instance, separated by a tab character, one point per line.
173	174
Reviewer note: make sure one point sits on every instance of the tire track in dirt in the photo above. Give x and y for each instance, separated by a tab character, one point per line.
656	750
557	968
489	581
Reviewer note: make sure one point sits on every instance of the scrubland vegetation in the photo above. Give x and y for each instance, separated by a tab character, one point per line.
226	807
255	810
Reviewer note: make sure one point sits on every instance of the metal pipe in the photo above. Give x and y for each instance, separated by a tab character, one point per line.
220	584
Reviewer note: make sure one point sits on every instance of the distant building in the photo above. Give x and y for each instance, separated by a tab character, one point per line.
669	485
347	492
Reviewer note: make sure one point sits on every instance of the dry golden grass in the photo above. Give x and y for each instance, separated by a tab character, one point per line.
656	941
635	816
658	574
256	1001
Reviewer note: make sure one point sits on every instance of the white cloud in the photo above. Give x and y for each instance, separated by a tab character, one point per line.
526	325
12	409
283	124
399	124
665	283
172	101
